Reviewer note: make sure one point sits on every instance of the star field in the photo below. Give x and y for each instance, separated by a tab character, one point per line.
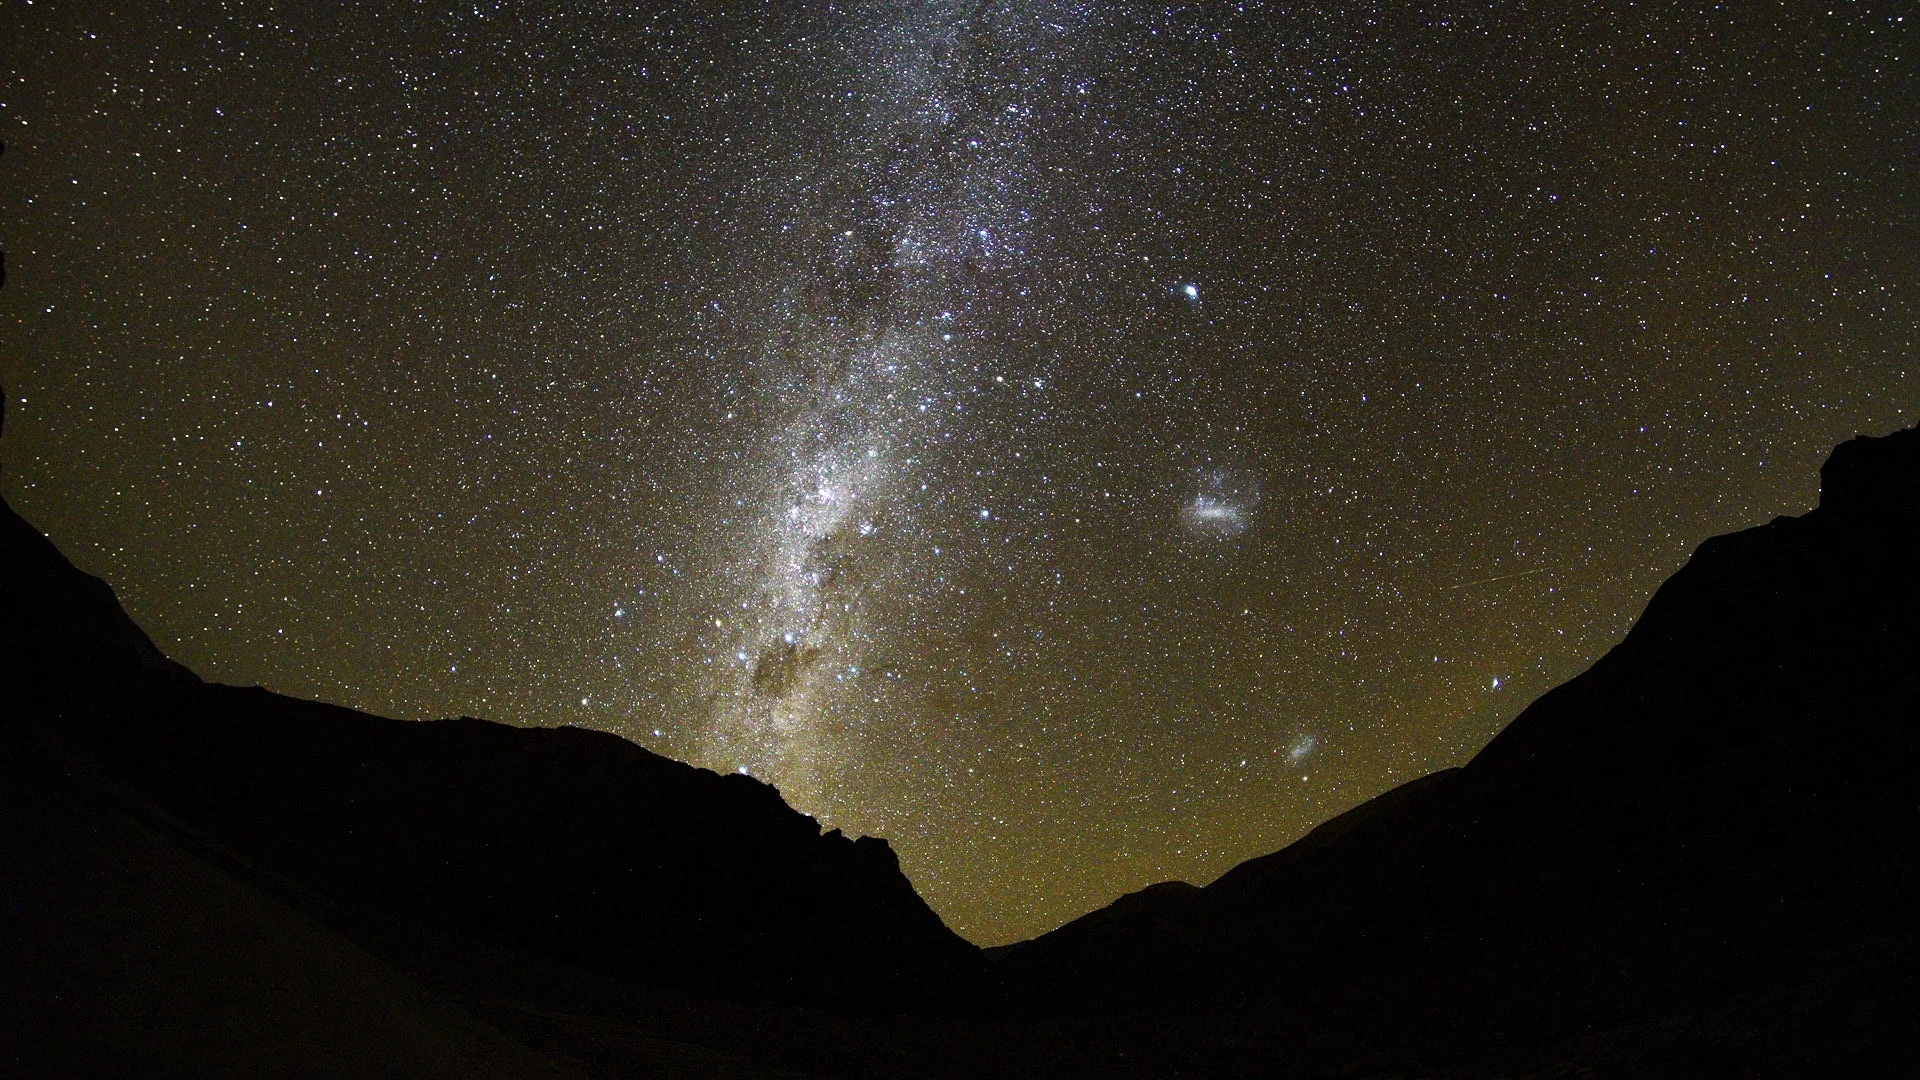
1085	443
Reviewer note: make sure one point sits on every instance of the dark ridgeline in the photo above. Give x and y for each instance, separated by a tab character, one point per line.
1726	801
576	845
1699	857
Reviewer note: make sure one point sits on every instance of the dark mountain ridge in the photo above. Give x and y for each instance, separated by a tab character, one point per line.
573	844
1727	797
1699	857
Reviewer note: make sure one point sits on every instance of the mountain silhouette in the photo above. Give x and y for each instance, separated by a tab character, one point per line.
1725	800
1700	857
572	844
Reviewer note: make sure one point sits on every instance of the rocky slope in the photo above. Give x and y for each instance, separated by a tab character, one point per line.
1725	801
574	845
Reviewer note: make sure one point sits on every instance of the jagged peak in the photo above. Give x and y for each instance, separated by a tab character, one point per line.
1873	475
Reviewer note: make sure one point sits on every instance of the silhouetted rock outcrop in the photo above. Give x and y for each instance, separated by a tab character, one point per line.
1723	800
576	845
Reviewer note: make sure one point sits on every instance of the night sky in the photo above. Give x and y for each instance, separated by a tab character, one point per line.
1085	443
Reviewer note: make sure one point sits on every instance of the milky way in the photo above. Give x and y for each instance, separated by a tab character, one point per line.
871	347
1086	444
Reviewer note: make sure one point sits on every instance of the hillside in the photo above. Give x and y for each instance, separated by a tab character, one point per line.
1724	802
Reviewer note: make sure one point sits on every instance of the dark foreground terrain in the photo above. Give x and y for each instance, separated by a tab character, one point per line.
1699	858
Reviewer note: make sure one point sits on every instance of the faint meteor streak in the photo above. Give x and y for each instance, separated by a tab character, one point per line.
1495	578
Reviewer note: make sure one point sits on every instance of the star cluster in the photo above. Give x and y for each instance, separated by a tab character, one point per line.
1086	443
